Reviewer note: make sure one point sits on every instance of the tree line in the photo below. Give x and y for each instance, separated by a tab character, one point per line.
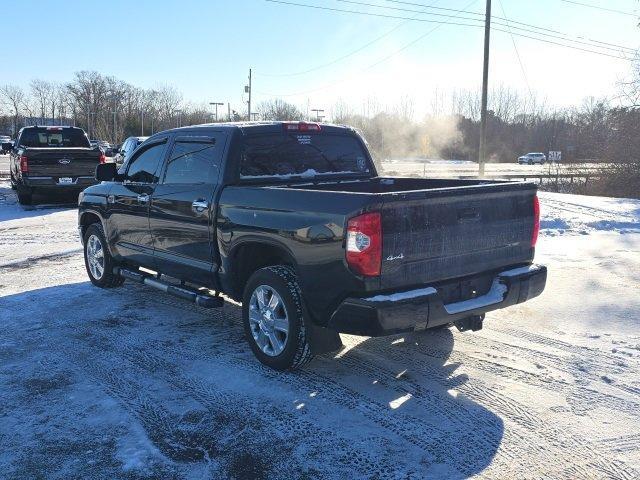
111	109
105	107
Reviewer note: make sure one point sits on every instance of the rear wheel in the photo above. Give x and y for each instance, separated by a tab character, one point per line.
97	259
25	197
274	319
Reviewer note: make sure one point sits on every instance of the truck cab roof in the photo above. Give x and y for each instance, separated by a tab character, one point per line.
258	127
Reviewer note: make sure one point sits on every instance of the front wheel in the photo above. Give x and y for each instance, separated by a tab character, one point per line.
274	319
97	259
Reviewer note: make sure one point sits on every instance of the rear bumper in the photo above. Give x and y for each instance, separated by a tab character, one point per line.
423	308
77	183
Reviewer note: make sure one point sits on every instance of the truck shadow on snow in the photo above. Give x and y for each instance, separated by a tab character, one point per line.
41	205
179	386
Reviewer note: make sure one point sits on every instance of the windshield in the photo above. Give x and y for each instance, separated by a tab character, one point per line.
304	154
46	138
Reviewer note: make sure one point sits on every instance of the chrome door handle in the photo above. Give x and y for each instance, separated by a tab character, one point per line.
199	206
144	198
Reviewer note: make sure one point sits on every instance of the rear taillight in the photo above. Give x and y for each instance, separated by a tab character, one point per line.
102	158
301	127
536	221
24	164
364	244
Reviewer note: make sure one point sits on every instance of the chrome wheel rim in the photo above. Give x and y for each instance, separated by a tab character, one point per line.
268	320
95	257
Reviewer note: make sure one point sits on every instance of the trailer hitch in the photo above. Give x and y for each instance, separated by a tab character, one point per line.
473	323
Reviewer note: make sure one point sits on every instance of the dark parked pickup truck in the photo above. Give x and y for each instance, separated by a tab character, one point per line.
292	220
46	159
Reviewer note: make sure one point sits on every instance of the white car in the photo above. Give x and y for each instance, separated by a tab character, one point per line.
532	158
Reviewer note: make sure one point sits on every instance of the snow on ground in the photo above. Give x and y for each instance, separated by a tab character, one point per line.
131	383
436	168
579	214
34	231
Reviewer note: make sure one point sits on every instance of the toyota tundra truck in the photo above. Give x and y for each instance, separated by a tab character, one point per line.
292	220
49	159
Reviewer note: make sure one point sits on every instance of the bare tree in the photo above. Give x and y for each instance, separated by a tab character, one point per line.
279	110
14	96
43	94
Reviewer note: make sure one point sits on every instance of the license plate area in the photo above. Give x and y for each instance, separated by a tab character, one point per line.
65	180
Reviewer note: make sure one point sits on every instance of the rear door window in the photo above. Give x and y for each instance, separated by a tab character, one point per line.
193	162
304	154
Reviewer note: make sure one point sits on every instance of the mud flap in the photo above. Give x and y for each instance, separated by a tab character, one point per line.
323	340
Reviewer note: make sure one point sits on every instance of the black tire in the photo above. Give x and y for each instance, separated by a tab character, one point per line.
108	279
25	197
296	352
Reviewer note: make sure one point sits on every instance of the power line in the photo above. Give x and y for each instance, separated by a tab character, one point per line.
401	49
343	57
511	21
612	10
513	40
355	2
357	12
564	36
380	15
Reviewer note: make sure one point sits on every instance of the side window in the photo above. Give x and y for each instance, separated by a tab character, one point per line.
144	166
193	162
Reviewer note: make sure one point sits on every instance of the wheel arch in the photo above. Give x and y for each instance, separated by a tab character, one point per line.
87	218
251	255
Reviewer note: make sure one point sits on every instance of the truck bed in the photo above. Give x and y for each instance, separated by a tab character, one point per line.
438	229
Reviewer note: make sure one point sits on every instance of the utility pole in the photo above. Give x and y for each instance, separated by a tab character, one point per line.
228	112
142	123
247	89
485	82
115	140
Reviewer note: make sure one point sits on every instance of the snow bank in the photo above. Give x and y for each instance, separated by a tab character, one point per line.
563	214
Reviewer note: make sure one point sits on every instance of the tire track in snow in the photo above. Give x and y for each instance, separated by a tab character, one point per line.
343	395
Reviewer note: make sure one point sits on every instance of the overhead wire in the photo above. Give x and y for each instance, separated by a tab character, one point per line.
537	38
384	59
340	58
515	47
598	7
512	22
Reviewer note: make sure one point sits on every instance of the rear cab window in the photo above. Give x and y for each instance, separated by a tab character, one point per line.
303	154
54	137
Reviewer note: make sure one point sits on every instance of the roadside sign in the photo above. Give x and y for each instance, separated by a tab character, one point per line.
555	156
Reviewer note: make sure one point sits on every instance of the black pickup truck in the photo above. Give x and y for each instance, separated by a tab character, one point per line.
292	220
47	159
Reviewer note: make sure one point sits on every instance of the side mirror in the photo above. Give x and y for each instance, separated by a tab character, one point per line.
106	172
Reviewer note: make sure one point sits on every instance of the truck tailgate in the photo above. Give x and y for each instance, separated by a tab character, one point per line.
436	235
62	162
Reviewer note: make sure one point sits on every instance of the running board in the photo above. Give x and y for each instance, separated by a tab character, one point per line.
205	301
